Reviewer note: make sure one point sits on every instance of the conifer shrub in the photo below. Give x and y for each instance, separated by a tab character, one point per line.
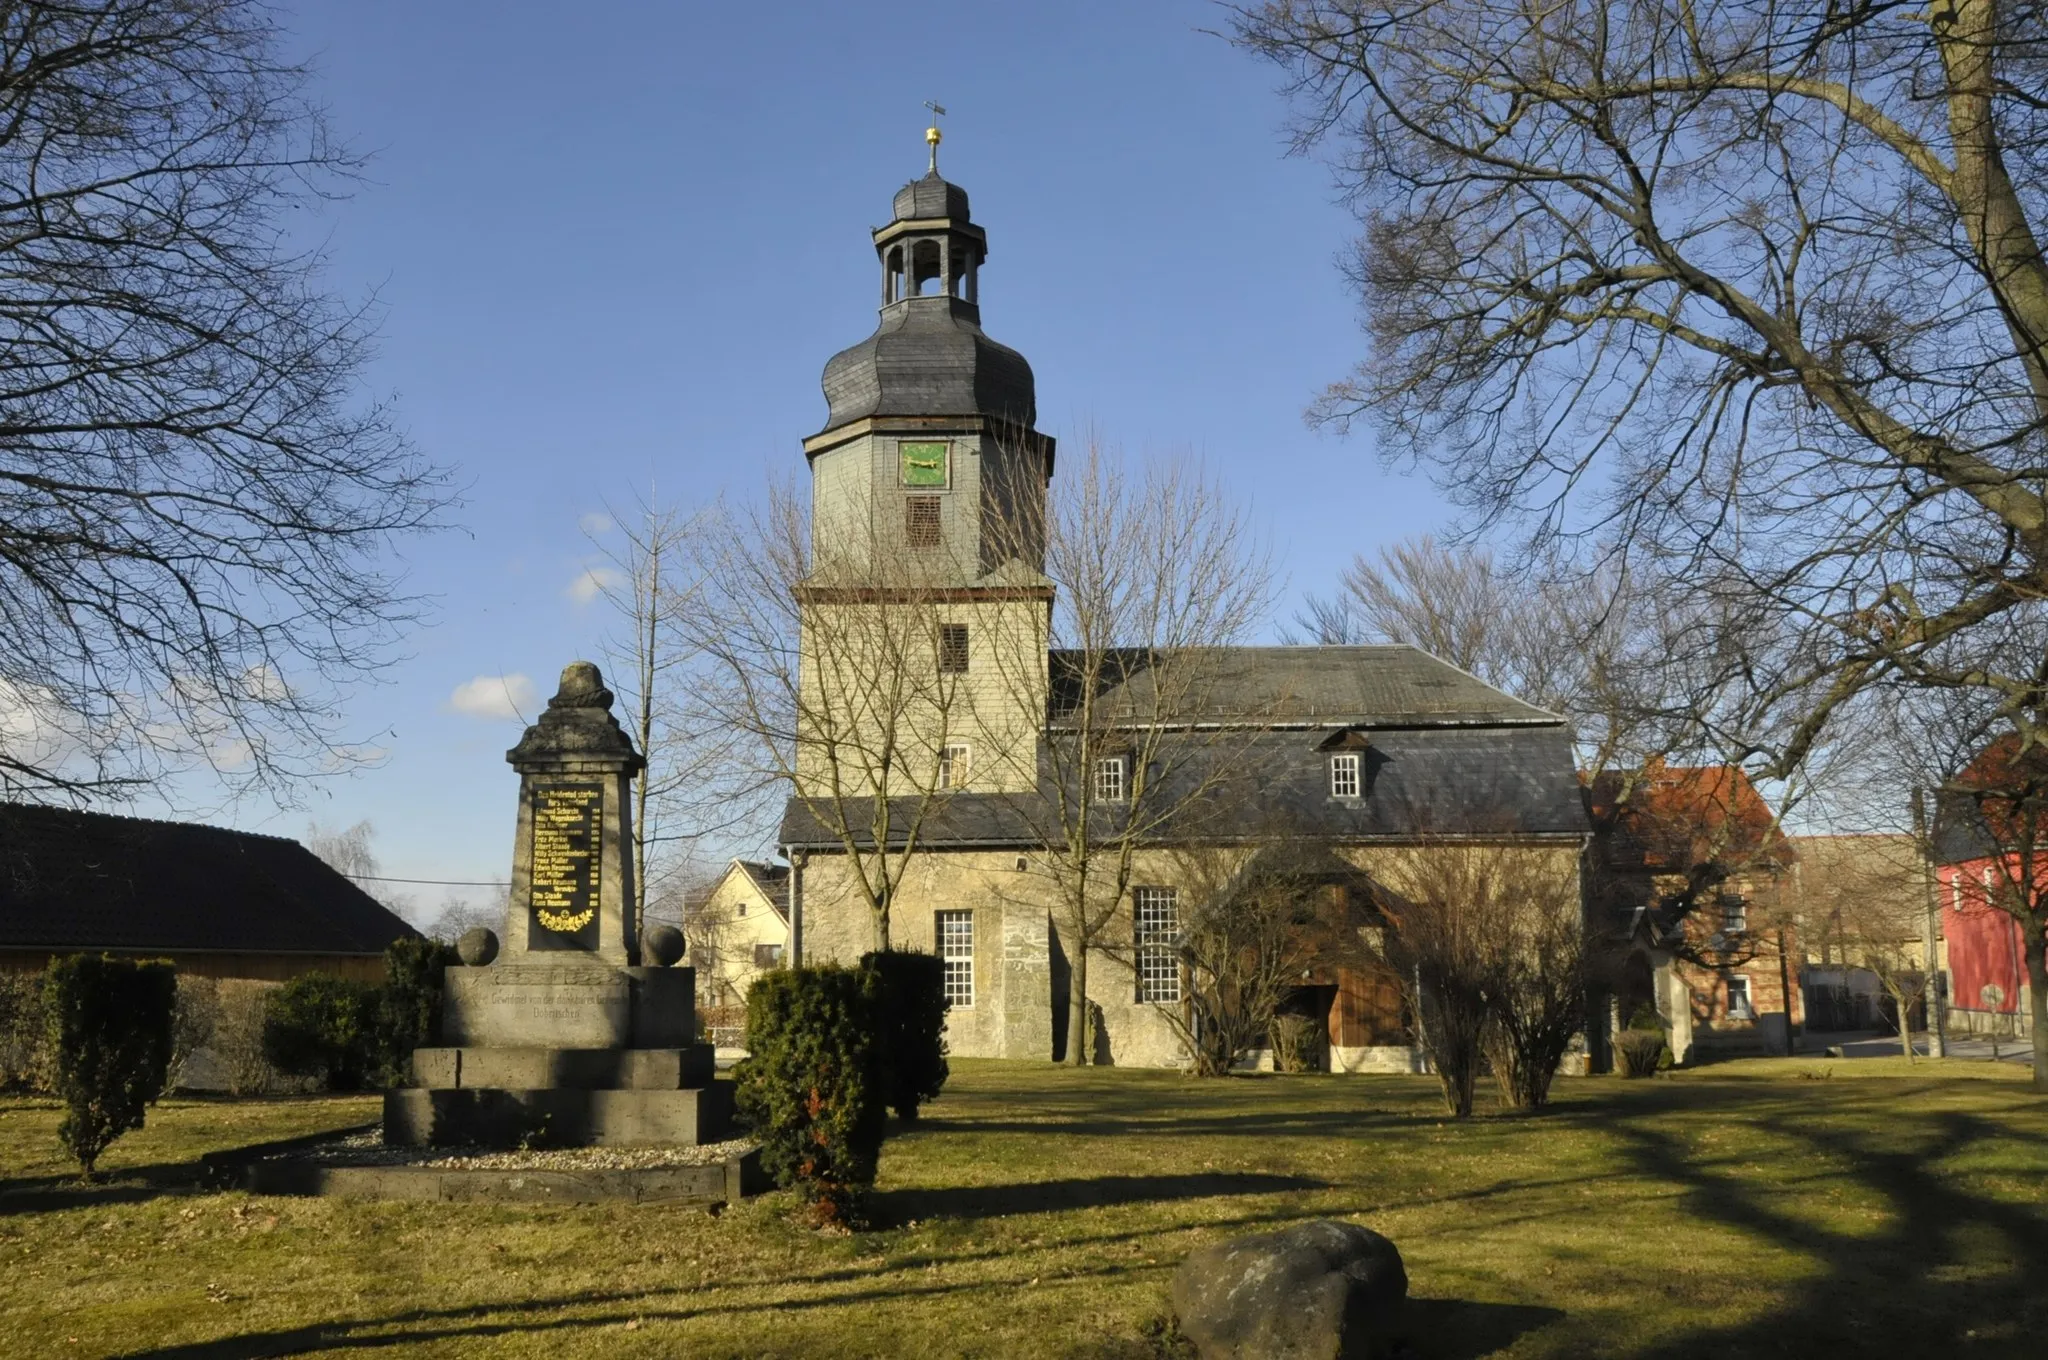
1640	1049
811	1087
325	1027
110	1045
910	993
24	1034
409	1006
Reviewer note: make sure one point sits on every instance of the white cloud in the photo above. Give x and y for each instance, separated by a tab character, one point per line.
494	696
596	523
592	582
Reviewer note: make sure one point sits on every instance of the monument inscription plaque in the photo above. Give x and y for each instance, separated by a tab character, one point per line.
568	829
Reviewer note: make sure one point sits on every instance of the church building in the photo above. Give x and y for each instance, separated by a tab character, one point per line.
928	463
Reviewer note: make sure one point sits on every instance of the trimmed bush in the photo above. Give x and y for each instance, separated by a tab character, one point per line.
409	1008
910	993
110	1041
325	1027
237	1046
193	1023
811	1086
24	1034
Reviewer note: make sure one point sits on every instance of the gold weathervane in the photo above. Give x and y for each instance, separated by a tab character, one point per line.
932	135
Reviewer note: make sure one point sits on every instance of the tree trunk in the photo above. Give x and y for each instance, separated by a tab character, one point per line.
1904	1001
1930	972
1078	1050
2036	946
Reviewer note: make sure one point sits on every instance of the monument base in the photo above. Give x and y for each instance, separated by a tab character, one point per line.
579	1069
574	1004
498	1117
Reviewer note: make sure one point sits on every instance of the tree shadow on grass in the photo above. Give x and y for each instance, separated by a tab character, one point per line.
1948	1269
1459	1329
129	1185
891	1207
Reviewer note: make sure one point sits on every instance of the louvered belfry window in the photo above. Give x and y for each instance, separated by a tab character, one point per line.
921	521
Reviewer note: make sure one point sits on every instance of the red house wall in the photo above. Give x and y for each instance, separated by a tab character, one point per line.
1983	942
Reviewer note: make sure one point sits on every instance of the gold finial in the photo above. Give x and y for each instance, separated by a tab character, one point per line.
932	135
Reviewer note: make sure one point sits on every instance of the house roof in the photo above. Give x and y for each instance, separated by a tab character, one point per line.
772	880
1418	783
90	880
2010	780
1389	685
1675	817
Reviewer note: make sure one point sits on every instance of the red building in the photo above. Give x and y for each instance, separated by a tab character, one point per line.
1991	854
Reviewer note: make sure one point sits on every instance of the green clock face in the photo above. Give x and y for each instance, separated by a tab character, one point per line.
924	464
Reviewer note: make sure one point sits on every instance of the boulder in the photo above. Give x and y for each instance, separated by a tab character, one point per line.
1319	1291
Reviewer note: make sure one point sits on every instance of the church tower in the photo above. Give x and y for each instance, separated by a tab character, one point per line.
928	488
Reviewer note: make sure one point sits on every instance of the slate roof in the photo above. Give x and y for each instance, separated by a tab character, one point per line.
930	197
1420	782
928	357
1389	685
90	880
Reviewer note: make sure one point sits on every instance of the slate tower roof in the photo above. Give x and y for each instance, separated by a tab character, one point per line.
928	355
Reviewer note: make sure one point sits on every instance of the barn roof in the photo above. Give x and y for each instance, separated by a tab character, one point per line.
72	880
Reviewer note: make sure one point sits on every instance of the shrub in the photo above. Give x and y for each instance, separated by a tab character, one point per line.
1639	1049
194	1018
237	1046
1297	1043
110	1036
910	993
325	1027
409	1008
24	1034
811	1086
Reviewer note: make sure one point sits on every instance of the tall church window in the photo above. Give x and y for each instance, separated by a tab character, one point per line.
1109	779
952	649
954	759
956	953
1158	926
1344	774
921	521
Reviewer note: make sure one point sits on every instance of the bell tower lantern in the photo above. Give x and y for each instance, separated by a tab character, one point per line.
929	457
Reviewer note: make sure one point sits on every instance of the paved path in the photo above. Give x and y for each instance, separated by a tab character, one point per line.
1868	1044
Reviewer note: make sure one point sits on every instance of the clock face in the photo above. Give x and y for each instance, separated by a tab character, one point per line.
924	464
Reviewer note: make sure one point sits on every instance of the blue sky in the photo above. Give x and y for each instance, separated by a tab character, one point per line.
615	243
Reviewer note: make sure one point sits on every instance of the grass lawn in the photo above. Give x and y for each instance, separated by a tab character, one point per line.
1799	1208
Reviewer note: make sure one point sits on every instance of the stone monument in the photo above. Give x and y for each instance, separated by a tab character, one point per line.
556	1034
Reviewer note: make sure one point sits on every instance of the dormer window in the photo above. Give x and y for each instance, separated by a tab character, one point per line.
1344	774
1109	779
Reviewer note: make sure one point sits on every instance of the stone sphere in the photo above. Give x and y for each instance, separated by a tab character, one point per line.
663	945
477	947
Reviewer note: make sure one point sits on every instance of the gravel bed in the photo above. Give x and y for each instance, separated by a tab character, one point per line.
369	1149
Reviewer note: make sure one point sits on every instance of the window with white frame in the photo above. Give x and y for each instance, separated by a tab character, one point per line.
1738	999
1734	914
1109	779
956	952
954	760
1344	774
1157	928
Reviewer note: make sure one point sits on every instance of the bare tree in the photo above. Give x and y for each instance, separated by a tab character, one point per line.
194	507
648	581
1760	277
1156	572
840	672
1874	911
1437	942
1259	916
1545	961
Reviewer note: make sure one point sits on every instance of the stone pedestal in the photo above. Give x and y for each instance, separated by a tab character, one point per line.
563	1038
